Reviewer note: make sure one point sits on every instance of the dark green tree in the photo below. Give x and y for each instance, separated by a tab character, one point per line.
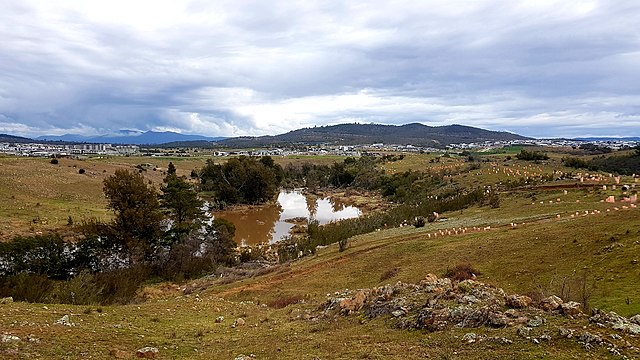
220	246
138	221
242	180
171	169
180	201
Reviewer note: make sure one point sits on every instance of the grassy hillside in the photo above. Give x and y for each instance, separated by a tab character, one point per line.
550	238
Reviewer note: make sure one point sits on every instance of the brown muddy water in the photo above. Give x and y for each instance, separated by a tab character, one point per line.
267	223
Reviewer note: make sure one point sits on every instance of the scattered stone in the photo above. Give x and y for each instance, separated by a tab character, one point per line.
545	337
566	333
518	301
219	319
6	300
468	299
64	321
588	338
535	322
147	352
239	322
470	338
245	357
9	338
524	331
615	321
635	319
571	308
355	304
551	303
429	279
498	319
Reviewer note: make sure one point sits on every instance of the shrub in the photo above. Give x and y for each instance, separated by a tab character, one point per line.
462	272
81	290
419	222
81	171
120	286
342	244
531	155
54	161
26	287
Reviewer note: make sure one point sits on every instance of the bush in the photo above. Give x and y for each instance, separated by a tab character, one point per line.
120	286
462	272
419	222
26	287
54	161
81	290
531	155
81	171
576	163
342	244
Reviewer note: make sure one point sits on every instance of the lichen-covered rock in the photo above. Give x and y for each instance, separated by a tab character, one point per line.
470	338
615	322
571	308
518	301
535	322
429	279
64	321
589	338
147	352
551	303
498	319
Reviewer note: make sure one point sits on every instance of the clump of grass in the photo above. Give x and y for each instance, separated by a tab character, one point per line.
389	274
283	302
462	272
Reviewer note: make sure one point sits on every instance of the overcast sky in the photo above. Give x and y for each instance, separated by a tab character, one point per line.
226	68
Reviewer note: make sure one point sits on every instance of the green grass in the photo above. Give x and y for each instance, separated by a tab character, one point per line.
537	257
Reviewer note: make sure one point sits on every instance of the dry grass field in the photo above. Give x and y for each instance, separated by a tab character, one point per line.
552	238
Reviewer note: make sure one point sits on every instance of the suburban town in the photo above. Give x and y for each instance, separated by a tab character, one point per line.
69	150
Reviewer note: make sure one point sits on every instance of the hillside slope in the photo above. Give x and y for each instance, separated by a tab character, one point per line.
346	134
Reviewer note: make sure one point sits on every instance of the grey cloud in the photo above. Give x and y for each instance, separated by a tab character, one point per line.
254	67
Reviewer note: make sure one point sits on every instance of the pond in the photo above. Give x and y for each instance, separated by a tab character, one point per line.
271	223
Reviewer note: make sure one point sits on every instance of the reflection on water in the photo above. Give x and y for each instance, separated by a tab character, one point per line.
266	223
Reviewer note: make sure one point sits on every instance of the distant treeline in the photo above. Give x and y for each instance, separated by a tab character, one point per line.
619	164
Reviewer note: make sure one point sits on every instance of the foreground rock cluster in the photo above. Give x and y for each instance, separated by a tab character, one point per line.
438	304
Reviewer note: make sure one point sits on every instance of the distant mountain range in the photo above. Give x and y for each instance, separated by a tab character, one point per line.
14	139
343	134
352	134
131	137
636	138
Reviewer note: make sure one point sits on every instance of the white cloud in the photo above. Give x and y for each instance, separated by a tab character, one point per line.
254	67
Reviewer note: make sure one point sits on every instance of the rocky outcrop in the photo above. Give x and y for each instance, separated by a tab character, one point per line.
436	304
616	322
